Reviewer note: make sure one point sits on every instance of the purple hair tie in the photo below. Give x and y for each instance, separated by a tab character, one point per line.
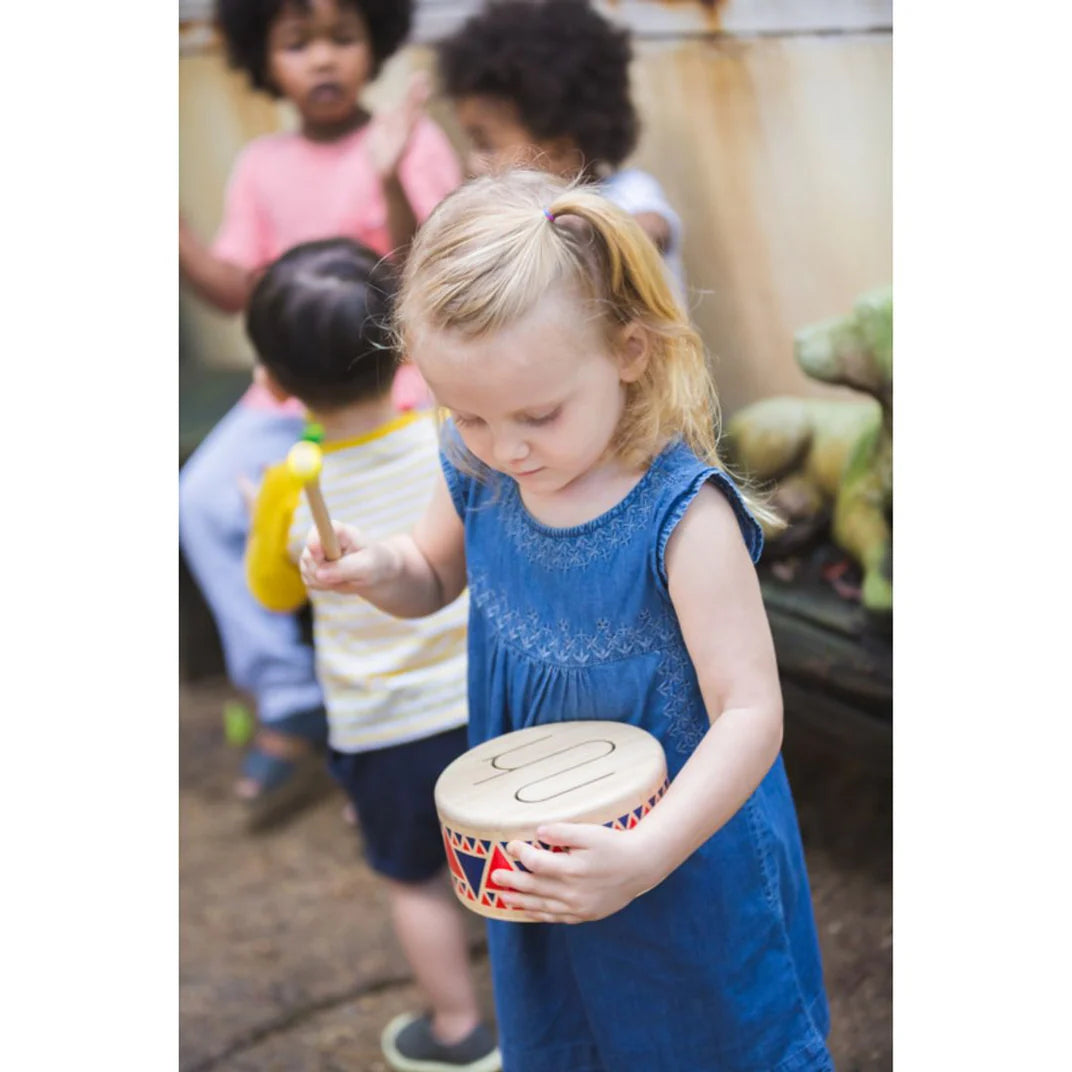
550	215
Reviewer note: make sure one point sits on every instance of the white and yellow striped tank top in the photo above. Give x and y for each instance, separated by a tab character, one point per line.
386	680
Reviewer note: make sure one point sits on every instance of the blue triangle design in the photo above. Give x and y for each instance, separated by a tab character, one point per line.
473	866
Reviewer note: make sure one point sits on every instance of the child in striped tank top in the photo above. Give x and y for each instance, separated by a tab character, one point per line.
394	689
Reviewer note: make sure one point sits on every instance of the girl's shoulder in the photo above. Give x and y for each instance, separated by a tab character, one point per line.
680	476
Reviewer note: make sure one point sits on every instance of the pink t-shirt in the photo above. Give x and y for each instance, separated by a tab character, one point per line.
285	189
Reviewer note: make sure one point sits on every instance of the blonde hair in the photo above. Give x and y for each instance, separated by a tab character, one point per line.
495	246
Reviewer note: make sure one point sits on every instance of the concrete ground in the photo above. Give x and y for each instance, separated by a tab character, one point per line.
287	962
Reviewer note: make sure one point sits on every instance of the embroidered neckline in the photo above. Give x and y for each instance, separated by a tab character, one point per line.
600	538
609	515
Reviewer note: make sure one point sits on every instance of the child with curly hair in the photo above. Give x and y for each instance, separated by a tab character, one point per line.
343	172
546	84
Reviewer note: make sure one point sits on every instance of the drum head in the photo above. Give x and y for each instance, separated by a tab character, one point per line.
556	772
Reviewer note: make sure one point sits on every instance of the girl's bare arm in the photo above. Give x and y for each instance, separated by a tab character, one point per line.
715	592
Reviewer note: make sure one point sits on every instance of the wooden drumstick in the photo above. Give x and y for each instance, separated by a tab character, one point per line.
305	461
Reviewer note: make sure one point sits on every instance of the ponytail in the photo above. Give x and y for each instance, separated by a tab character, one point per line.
675	395
496	245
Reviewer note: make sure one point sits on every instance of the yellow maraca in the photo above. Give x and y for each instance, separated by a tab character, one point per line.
305	461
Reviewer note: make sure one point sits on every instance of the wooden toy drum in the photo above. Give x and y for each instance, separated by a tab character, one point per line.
502	790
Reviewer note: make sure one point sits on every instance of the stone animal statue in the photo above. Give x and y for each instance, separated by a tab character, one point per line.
833	456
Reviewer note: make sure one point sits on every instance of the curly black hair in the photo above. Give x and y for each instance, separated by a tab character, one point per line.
320	321
563	65
245	25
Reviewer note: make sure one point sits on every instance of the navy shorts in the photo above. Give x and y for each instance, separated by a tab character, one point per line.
392	790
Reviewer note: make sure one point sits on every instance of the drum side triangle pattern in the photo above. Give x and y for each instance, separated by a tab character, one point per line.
499	862
452	860
472	859
473	866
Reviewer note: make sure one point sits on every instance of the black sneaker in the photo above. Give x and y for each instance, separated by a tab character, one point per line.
409	1046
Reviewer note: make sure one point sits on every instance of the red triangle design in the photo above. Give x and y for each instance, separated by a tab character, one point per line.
452	860
499	861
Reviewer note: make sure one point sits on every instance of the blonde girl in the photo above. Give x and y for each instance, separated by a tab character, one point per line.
609	560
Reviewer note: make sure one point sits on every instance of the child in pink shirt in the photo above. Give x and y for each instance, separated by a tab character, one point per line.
343	173
285	187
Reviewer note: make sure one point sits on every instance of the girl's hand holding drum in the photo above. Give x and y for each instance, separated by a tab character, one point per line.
588	872
544	824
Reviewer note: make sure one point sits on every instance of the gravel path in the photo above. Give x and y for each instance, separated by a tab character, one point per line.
287	961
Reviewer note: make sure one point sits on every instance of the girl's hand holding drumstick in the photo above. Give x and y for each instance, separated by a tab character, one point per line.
393	574
356	566
322	562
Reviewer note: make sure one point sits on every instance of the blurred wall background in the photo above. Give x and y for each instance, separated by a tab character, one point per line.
768	122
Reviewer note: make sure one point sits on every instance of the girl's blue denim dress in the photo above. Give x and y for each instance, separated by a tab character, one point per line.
717	969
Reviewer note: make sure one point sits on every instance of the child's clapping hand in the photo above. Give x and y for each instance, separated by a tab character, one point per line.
361	566
391	129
